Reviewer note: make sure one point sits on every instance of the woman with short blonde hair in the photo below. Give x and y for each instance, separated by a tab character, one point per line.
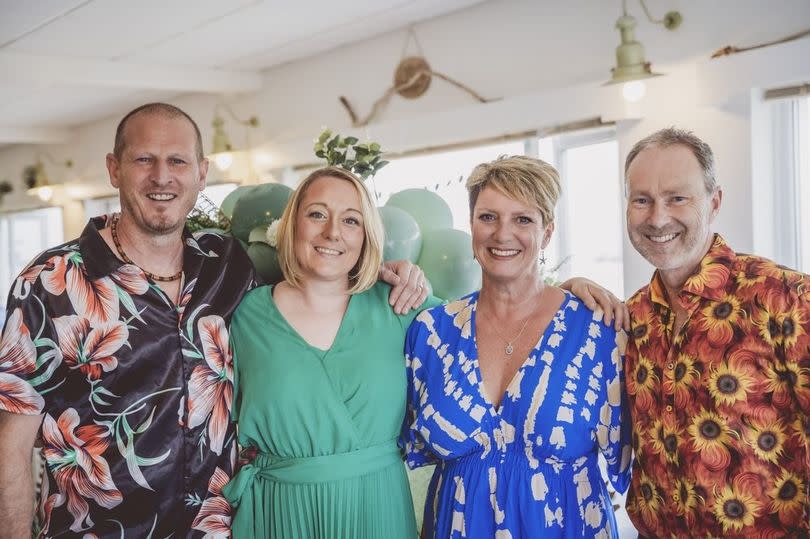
515	389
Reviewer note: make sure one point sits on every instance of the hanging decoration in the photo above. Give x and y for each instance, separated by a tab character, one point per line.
412	78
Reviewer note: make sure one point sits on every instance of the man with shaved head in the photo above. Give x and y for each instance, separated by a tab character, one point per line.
115	361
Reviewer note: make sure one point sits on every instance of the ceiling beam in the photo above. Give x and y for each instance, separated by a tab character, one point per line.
33	135
50	70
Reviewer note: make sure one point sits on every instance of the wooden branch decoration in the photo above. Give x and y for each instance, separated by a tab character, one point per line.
415	74
730	49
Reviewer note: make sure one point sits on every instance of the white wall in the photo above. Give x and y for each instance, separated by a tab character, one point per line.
545	60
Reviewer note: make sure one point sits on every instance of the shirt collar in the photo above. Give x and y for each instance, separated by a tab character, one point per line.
100	261
708	282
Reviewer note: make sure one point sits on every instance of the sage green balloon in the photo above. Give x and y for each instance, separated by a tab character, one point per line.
230	199
265	260
258	234
447	260
429	210
403	238
262	205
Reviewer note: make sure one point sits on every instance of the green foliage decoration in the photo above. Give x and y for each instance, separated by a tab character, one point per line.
364	159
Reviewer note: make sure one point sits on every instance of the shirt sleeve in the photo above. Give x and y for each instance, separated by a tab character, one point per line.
613	430
417	453
29	353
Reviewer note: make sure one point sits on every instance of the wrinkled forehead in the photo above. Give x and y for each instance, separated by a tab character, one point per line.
152	129
665	168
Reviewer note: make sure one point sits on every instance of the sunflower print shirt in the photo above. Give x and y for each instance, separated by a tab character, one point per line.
720	410
528	468
135	391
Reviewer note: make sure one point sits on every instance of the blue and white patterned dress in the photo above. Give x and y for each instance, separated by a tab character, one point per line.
530	468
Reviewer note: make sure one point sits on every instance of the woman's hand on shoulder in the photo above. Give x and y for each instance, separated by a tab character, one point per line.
597	297
407	280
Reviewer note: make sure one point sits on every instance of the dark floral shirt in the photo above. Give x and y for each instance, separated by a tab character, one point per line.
136	391
721	411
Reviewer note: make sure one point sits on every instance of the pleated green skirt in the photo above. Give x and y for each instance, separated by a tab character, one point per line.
359	495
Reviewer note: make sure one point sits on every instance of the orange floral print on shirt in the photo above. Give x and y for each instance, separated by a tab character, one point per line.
721	411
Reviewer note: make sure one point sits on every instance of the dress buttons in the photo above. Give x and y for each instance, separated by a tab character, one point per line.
670	366
676	497
669	407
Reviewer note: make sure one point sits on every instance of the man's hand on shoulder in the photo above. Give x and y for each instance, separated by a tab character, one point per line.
408	285
596	297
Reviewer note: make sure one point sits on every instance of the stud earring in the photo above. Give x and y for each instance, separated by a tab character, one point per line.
542	257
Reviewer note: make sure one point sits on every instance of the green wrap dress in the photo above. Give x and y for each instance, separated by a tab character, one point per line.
325	423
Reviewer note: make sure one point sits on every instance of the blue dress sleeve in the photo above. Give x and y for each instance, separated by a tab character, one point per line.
613	431
411	441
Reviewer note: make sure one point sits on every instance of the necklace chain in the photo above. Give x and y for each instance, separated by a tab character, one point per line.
509	348
128	260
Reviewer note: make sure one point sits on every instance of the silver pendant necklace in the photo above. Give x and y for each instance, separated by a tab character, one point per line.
509	349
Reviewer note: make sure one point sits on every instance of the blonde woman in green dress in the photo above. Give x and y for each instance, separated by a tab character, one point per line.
319	378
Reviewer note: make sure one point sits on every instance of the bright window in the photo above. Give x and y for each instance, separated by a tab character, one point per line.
801	179
790	196
23	235
589	215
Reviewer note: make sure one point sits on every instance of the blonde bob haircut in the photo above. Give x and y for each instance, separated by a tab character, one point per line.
531	181
365	273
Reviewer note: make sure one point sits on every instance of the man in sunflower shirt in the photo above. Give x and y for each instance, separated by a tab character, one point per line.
718	364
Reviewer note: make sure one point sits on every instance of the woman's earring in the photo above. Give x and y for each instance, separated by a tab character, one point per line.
542	257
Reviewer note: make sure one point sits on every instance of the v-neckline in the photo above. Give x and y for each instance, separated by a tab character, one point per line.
320	352
498	410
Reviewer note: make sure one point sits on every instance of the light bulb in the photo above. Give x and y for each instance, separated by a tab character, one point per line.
223	160
634	90
44	193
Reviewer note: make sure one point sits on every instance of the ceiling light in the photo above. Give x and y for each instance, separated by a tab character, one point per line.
631	66
221	148
36	178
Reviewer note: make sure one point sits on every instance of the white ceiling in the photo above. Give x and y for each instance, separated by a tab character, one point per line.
70	62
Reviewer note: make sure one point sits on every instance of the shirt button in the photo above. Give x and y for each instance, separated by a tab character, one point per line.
676	497
669	407
670	366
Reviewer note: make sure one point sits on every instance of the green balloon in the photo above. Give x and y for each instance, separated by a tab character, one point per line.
447	260
265	260
403	239
258	234
429	210
230	200
265	203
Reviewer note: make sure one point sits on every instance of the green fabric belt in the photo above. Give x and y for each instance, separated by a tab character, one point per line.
311	469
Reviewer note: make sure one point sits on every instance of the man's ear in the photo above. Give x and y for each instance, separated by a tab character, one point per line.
203	173
112	170
716	200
